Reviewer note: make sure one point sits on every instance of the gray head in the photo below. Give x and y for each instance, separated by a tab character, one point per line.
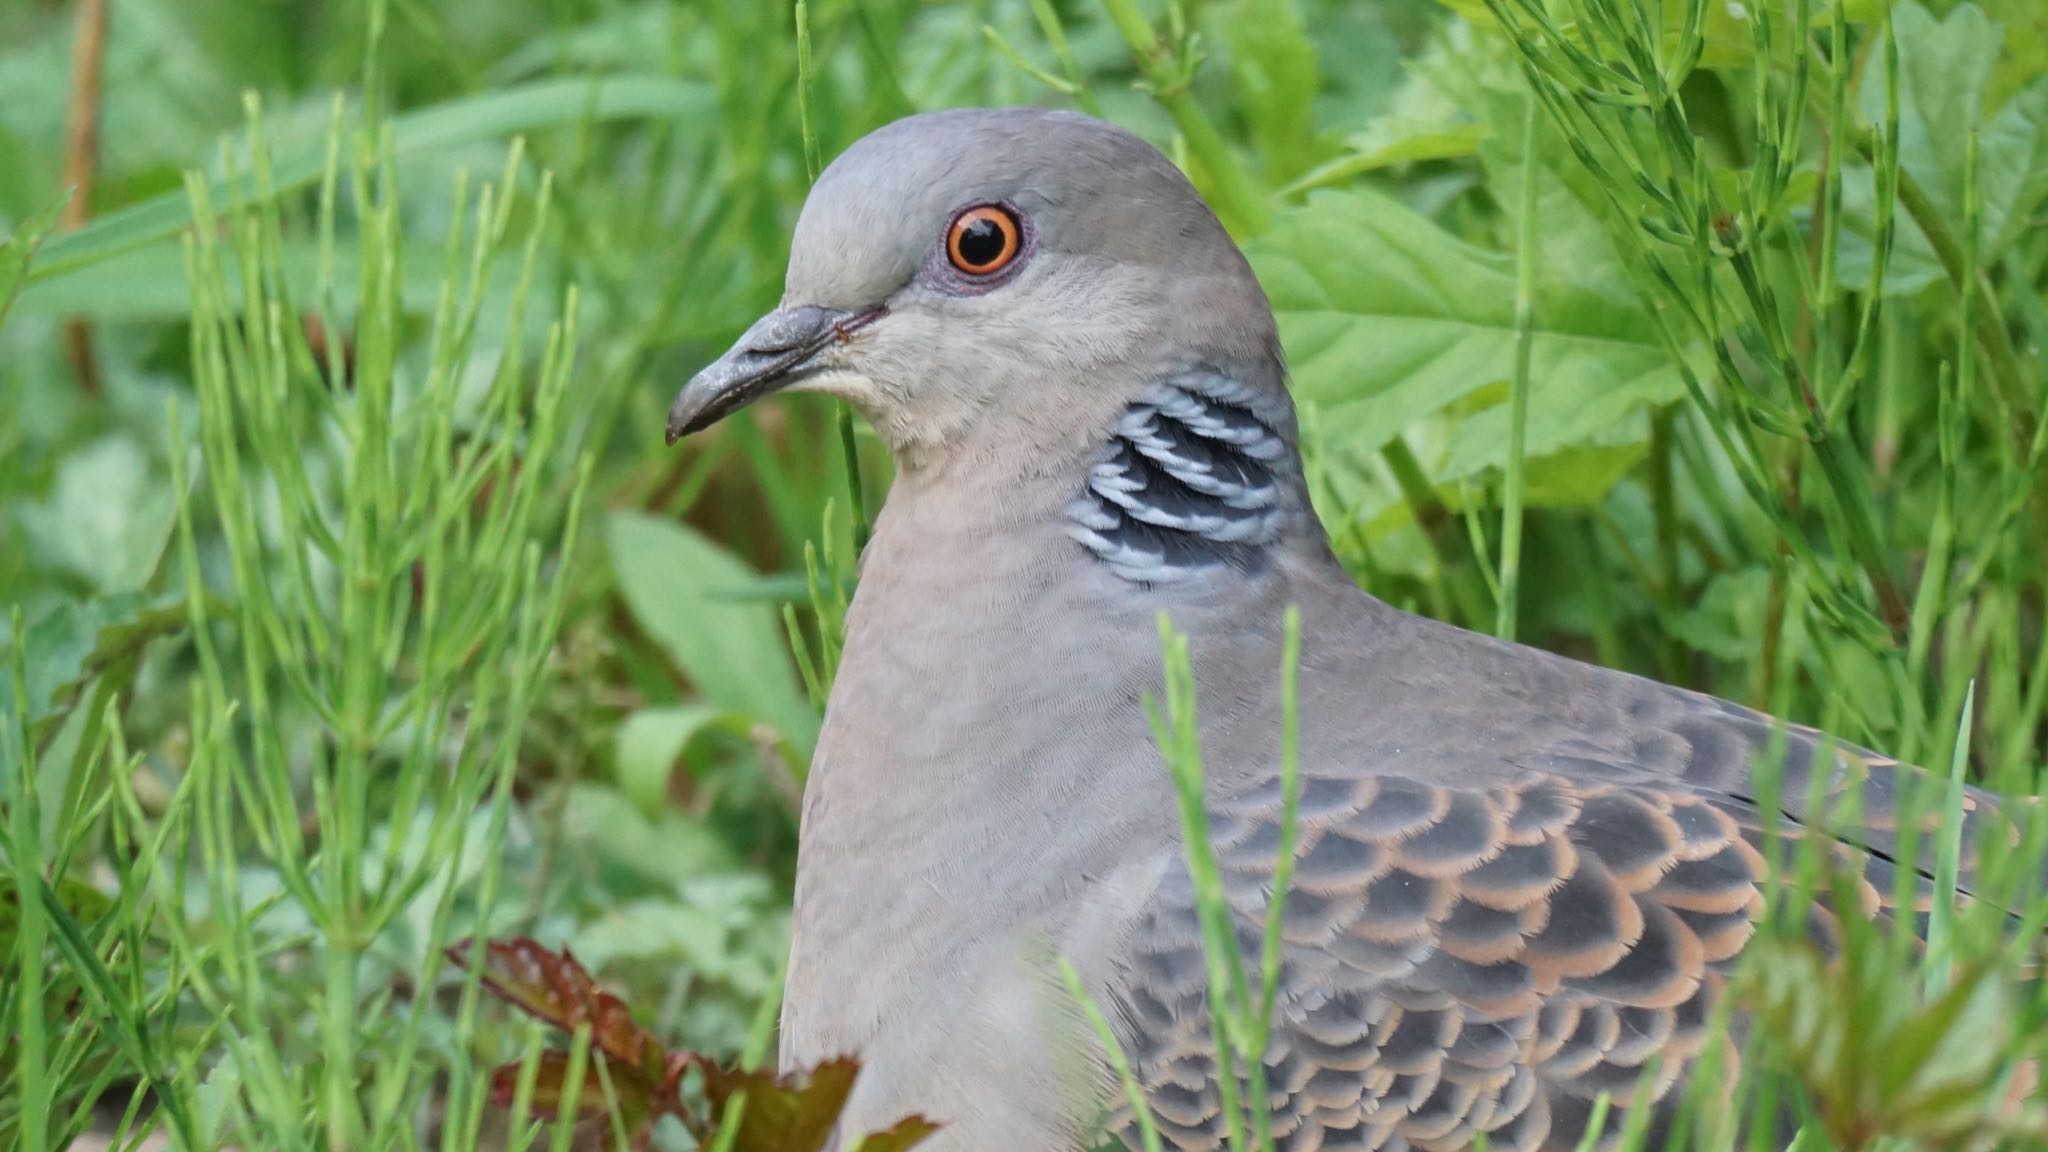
989	275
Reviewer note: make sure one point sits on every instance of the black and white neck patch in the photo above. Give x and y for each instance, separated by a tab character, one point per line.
1191	480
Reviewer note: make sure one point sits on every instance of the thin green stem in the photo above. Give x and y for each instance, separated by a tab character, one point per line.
2008	375
1518	384
1435	522
1283	869
31	1058
1951	419
813	164
1664	507
1168	71
1055	33
1177	734
1119	1061
849	445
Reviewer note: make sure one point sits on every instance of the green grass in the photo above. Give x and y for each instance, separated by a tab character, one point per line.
361	609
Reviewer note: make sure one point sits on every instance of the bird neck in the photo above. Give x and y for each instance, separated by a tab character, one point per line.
1038	578
1001	645
1199	476
1183	476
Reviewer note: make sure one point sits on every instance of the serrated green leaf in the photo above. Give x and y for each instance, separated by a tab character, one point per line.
1423	123
659	929
1389	320
1946	67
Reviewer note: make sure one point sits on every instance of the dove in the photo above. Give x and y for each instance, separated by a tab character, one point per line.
1519	881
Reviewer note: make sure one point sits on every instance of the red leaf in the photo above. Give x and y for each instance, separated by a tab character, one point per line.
904	1135
797	1113
556	989
551	1089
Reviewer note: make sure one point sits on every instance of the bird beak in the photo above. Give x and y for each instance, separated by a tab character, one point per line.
778	351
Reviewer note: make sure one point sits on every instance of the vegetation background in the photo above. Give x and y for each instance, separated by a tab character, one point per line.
355	606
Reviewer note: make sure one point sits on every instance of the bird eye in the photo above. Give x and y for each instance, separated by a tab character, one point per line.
983	240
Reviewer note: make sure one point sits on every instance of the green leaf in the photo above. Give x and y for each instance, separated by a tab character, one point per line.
1957	1041
707	941
217	1096
443	127
1424	123
2026	44
66	640
1725	620
636	852
1946	70
1575	236
150	283
1581	476
651	741
1389	320
1392	143
108	518
1877	1059
677	584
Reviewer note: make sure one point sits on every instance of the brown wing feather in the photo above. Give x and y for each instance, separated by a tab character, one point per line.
1491	955
1718	746
1458	961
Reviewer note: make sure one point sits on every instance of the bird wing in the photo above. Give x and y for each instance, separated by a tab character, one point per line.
1851	795
1466	959
1456	961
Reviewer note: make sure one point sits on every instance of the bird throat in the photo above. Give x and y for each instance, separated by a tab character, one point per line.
1191	480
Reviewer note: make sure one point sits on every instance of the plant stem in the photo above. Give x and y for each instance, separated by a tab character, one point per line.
2008	375
25	860
1518	385
812	162
1664	507
856	502
1177	734
81	162
1241	209
1435	522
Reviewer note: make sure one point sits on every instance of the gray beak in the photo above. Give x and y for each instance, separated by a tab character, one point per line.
773	354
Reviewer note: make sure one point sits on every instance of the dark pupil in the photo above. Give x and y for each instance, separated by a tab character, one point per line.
981	244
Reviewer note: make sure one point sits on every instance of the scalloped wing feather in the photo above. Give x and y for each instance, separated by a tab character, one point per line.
1464	961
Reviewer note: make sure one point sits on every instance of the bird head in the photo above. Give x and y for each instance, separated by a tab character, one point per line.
992	276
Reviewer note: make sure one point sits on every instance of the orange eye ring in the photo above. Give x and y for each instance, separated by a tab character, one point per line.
984	240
